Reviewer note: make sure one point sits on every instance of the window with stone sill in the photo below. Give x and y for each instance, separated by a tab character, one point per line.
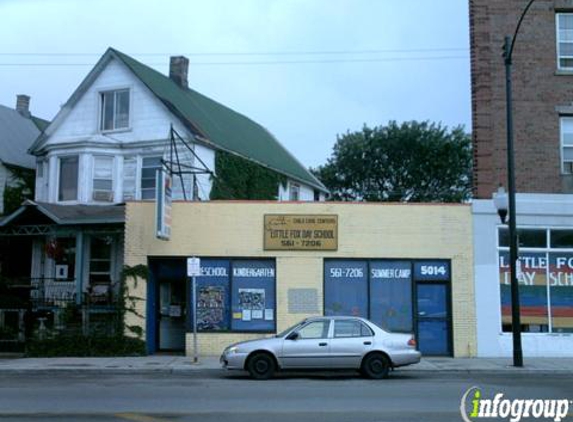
566	124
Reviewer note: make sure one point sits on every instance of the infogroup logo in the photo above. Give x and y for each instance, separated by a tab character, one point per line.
474	407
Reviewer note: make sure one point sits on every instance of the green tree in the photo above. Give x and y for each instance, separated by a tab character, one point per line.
20	189
408	162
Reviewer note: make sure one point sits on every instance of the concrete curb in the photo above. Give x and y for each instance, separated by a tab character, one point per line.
210	364
210	370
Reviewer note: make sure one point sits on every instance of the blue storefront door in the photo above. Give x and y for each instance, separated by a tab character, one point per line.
433	319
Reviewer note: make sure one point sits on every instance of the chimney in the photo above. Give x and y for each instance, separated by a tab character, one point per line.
23	105
178	68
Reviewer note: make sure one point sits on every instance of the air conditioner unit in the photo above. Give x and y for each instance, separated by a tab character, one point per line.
102	196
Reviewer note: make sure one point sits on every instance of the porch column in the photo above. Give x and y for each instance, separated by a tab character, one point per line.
79	273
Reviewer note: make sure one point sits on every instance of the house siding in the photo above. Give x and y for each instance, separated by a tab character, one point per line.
149	119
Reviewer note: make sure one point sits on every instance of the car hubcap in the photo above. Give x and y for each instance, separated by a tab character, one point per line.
261	366
376	366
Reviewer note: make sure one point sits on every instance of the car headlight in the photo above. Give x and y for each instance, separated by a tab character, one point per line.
233	349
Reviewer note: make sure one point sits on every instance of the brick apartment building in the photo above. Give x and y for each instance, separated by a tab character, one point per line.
543	135
542	95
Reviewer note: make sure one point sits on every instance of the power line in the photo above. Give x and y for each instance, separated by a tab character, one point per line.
273	62
261	53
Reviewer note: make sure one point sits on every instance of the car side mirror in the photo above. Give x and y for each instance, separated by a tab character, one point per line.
293	336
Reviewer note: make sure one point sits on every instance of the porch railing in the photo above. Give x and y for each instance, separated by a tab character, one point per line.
47	292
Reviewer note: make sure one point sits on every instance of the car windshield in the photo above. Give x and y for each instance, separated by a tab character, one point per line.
285	332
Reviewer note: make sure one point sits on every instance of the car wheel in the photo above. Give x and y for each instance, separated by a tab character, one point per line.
261	366
376	366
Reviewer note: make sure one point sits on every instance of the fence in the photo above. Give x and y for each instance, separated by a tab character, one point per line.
49	308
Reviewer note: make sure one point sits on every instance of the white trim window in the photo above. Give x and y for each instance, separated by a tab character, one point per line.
114	110
294	192
102	187
149	168
68	178
566	145
564	24
129	177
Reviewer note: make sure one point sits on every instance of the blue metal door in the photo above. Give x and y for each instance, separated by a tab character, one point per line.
433	319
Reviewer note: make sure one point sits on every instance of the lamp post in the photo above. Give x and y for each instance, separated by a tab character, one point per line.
513	255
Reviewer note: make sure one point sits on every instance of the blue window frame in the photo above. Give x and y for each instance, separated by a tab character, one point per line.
346	288
235	295
391	295
253	295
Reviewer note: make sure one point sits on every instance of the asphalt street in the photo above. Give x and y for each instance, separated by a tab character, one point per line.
214	395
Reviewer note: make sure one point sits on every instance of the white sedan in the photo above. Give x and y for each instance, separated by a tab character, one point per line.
325	343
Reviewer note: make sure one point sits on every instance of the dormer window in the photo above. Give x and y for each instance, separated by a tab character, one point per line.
114	110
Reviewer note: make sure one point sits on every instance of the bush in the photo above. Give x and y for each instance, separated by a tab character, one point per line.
81	346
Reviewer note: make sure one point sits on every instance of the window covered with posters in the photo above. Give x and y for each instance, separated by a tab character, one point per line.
545	278
236	295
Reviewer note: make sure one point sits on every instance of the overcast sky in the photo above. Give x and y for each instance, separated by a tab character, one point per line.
315	68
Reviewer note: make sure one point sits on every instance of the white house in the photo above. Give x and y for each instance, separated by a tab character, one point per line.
105	147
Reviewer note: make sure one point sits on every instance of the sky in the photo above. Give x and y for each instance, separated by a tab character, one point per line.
307	70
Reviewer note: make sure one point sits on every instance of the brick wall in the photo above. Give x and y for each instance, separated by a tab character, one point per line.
235	229
537	90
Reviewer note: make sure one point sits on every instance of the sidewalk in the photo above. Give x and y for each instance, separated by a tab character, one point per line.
177	364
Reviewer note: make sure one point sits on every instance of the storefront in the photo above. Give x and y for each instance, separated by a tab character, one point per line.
545	277
406	267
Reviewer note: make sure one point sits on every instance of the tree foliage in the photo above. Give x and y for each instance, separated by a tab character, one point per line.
408	162
20	188
238	178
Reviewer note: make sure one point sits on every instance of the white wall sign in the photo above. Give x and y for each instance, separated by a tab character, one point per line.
193	267
61	272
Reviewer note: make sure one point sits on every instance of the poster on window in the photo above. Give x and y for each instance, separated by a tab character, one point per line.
253	295
252	299
213	295
210	306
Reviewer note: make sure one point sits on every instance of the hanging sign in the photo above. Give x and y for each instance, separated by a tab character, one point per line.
163	192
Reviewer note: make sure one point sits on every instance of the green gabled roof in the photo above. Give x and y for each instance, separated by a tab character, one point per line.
220	125
41	124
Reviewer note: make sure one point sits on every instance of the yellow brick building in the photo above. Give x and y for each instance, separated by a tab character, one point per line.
365	233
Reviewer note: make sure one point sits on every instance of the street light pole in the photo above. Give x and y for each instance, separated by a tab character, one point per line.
513	253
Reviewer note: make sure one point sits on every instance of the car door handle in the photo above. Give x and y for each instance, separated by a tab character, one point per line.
367	343
323	344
